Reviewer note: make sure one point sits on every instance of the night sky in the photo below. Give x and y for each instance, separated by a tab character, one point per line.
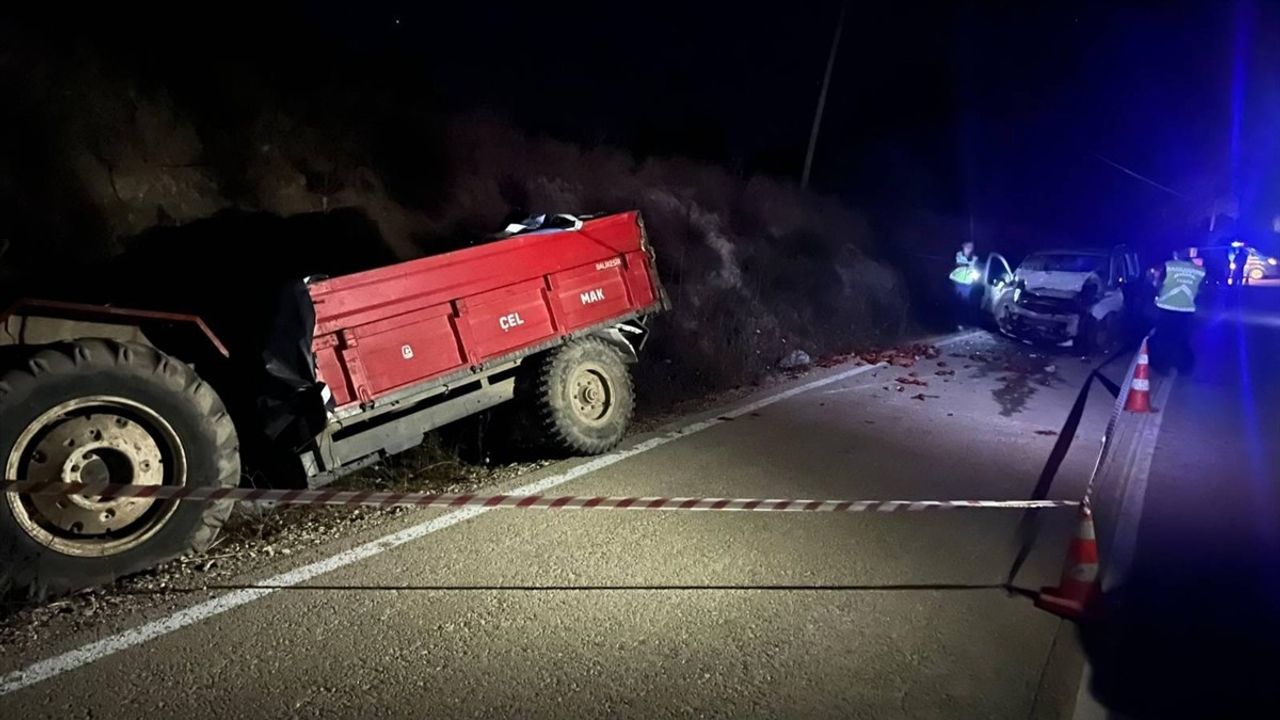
1005	112
960	107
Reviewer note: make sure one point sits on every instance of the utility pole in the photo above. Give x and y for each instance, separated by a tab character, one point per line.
822	100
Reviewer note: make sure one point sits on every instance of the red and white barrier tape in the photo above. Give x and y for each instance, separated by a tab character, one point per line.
370	498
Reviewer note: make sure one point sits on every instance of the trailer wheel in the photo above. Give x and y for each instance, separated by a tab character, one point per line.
103	411
585	397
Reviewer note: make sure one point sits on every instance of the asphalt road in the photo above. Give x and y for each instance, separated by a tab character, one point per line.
1192	627
649	614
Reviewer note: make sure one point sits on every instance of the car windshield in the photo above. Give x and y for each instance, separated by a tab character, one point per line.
1066	262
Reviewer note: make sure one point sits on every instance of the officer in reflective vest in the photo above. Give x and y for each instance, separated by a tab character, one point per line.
966	265
967	280
1177	303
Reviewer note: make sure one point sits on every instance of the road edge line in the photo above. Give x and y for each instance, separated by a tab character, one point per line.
91	652
1124	540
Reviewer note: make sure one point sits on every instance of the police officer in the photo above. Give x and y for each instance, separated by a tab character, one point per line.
965	261
967	289
1177	306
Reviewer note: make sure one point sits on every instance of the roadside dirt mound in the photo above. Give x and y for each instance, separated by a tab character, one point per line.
116	156
755	268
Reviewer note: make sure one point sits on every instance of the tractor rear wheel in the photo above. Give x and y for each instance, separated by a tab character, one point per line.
101	411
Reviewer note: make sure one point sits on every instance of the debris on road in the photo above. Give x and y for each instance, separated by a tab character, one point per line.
1051	368
831	361
911	381
922	396
1047	432
945	372
905	356
795	359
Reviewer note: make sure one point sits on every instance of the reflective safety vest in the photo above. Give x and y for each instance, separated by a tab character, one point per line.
965	267
1181	283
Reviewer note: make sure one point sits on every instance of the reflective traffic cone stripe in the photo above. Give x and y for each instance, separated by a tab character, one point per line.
1139	397
1078	588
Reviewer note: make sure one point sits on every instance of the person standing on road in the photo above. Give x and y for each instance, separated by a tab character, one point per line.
1239	257
966	278
965	261
1177	305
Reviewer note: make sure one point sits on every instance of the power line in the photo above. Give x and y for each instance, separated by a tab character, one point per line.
1143	178
822	99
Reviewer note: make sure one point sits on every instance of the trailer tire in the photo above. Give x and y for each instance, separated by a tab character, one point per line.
98	410
585	397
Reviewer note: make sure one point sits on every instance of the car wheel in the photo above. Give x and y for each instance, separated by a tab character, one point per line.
1004	317
1102	336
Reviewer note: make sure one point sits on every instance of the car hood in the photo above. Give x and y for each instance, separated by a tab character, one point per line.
1055	283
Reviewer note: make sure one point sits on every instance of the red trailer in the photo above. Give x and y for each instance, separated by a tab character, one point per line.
433	340
93	393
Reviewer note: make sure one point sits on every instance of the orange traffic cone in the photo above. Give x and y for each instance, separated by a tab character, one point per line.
1139	398
1078	587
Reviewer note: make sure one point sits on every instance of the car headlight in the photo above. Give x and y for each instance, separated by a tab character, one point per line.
1271	261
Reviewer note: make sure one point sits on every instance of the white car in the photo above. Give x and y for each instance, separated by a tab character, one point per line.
1260	267
1076	297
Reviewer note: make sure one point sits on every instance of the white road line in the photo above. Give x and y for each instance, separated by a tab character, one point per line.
1129	516
1087	708
94	651
1137	472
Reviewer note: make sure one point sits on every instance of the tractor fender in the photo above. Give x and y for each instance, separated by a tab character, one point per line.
40	322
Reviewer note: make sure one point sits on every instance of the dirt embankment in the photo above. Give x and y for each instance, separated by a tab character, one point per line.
106	150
